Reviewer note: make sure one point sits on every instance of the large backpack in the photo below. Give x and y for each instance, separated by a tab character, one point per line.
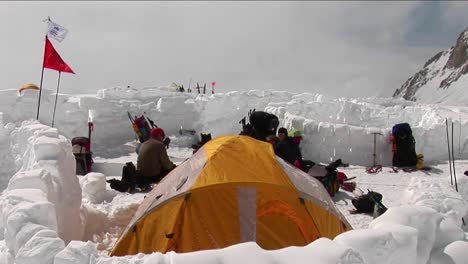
81	147
404	153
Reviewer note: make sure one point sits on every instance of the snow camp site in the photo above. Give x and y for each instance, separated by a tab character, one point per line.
52	215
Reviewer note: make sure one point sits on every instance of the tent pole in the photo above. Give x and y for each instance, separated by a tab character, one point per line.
56	96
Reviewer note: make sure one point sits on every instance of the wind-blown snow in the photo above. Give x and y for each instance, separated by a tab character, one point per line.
48	212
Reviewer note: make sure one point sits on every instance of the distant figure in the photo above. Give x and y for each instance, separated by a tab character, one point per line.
263	124
153	162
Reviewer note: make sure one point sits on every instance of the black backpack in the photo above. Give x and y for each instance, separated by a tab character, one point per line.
129	172
128	181
404	152
369	203
121	186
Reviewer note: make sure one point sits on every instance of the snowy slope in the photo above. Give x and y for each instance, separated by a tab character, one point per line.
443	79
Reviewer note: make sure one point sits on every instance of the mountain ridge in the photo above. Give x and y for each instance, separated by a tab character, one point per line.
440	73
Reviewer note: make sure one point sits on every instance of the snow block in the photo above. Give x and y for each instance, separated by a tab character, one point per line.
26	232
48	148
41	213
40	249
77	252
34	179
423	219
448	232
94	187
423	192
390	244
458	251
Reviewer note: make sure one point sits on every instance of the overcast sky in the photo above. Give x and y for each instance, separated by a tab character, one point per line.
334	48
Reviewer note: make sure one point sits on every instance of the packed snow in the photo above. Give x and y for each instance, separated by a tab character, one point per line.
51	215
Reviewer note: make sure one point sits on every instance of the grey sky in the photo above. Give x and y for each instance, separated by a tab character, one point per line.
335	48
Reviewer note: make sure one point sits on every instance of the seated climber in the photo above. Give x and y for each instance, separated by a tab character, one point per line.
287	149
153	163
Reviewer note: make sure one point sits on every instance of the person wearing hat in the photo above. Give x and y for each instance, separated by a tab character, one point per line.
287	149
153	163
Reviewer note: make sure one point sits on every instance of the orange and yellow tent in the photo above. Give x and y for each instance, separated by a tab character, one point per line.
233	190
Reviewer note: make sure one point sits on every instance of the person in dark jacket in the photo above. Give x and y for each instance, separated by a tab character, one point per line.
153	163
287	149
263	124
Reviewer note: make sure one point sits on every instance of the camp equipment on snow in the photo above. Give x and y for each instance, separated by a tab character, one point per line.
204	138
142	127
327	175
369	203
403	146
131	179
81	148
374	154
232	190
183	131
420	163
345	183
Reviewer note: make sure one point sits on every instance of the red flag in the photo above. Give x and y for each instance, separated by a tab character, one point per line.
213	83
52	59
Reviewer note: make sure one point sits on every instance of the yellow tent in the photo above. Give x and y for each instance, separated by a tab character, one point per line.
233	190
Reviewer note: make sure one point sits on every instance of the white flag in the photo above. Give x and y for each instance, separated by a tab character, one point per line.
56	31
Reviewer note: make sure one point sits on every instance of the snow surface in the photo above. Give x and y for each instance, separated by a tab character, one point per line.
50	215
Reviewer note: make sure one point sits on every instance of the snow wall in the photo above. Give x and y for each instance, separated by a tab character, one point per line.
332	128
42	219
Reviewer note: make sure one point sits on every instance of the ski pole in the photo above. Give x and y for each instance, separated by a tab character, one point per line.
453	161
454	173
448	147
459	135
375	148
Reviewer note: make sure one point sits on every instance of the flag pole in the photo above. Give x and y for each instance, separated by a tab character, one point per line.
42	77
56	95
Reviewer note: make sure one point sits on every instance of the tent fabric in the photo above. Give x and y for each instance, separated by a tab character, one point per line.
233	190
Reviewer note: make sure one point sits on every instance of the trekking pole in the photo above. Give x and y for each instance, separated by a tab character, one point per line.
453	161
375	148
454	173
448	147
459	135
190	81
